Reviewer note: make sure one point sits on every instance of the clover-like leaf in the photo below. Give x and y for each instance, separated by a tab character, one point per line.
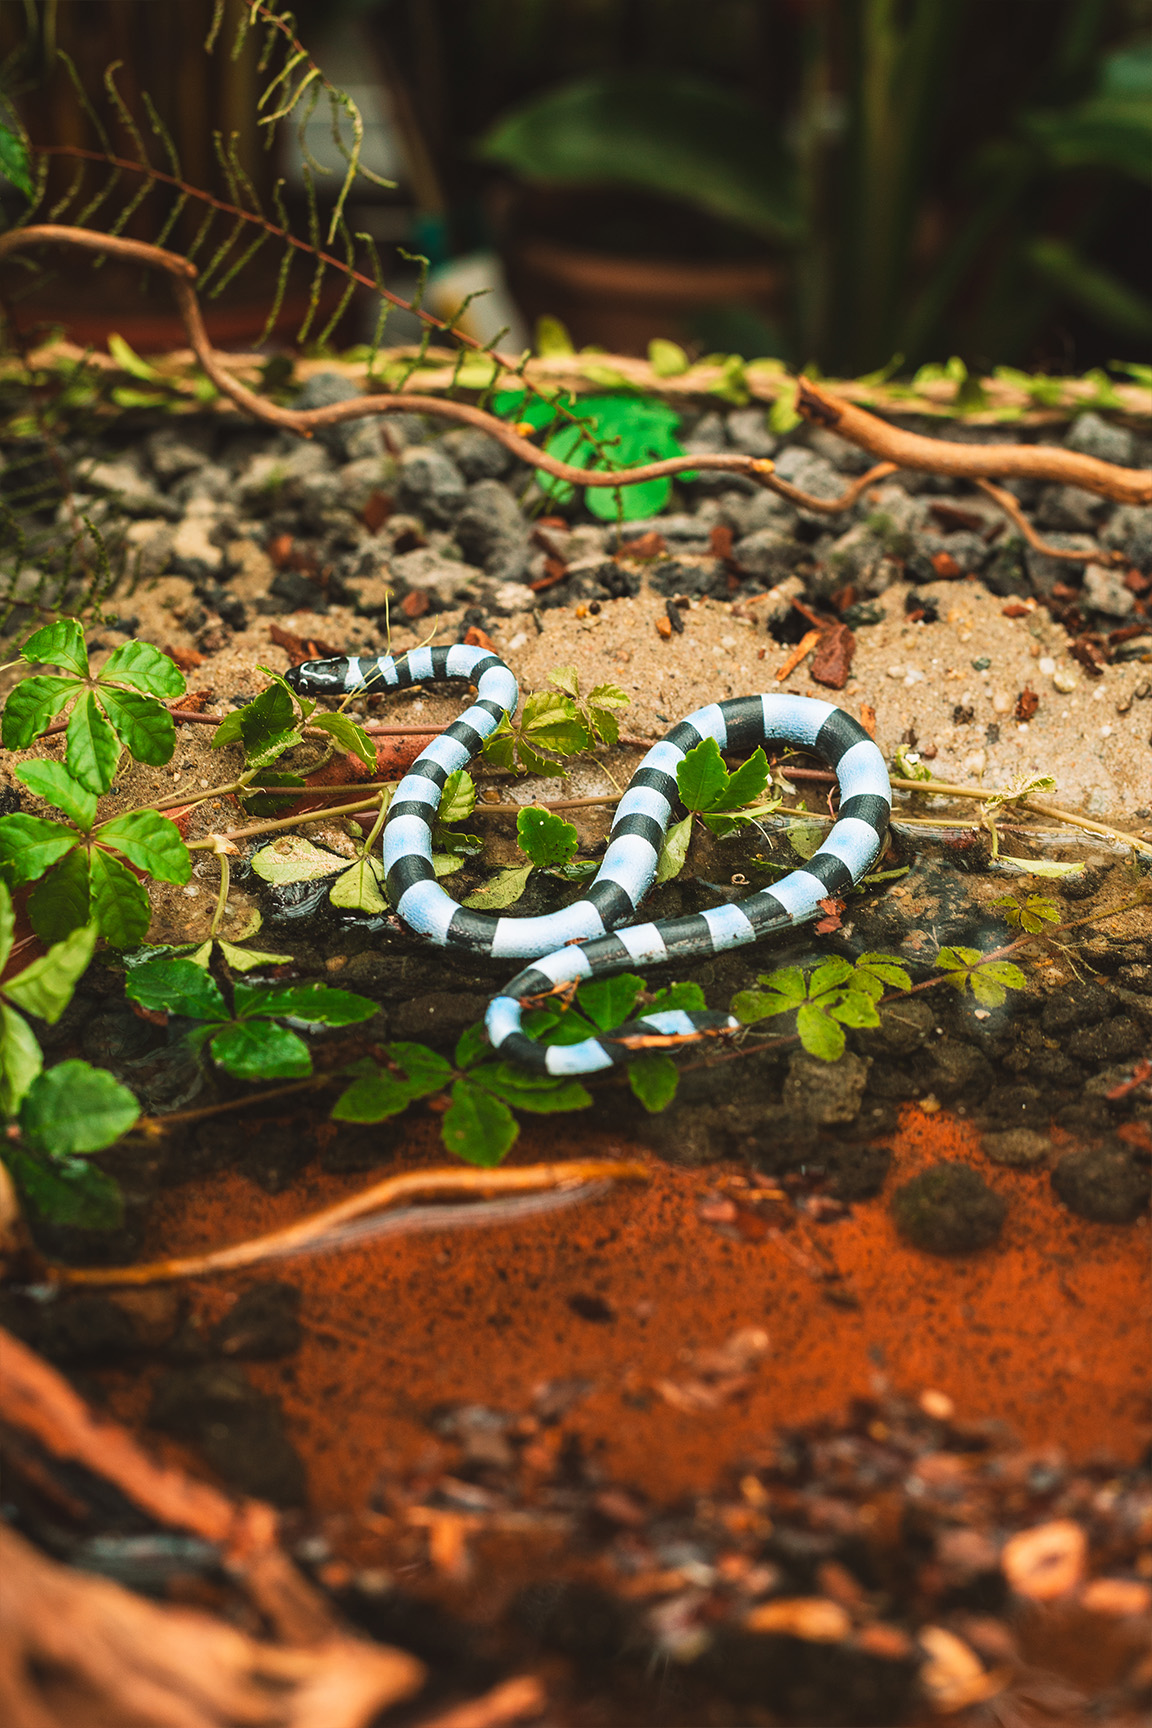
545	837
58	644
477	1126
372	1097
552	722
855	1008
885	968
74	1109
472	1045
52	782
93	749
830	973
426	1070
31	708
539	1094
654	1079
149	841
144	668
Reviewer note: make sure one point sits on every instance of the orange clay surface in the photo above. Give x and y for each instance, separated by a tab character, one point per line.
1048	1331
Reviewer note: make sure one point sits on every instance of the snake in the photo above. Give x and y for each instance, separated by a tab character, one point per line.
596	936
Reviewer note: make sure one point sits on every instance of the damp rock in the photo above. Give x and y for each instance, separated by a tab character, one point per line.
824	1093
431	485
478	456
953	1067
446	581
1016	1107
490	530
855	1171
948	1209
1104	591
1130	531
1107	1042
262	1325
1102	1183
1092	435
239	1430
767	553
348	439
1019	1147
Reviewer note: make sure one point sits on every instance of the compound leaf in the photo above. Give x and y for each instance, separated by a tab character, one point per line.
177	987
316	1004
119	901
74	1109
143	725
144	668
654	1079
68	1191
149	841
29	845
52	782
261	1050
31	708
819	1034
372	1098
93	749
347	736
477	1126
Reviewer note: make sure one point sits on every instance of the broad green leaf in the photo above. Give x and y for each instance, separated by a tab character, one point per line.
20	1059
986	990
674	851
7	925
372	1098
119	901
144	668
29	845
52	782
446	863
361	888
144	726
546	767
568	1028
427	1072
539	1094
45	987
683	995
74	1108
261	1050
887	969
789	980
551	721
667	359
748	782
347	736
149	841
458	799
176	987
294	859
609	696
857	1008
702	777
200	956
990	984
545	837
958	959
266	726
318	1004
501	890
604	724
246	959
805	838
609	1001
14	163
500	748
567	679
819	1034
31	708
59	644
303	706
471	1045
93	749
61	901
748	1006
1050	867
654	1079
478	1127
68	1191
828	974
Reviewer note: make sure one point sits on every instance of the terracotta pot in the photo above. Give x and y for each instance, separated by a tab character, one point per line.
621	303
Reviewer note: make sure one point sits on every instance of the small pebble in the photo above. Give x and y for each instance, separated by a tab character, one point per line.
1001	703
975	762
982	664
1047	665
1065	681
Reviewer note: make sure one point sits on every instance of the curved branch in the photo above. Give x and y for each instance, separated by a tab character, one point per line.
971	461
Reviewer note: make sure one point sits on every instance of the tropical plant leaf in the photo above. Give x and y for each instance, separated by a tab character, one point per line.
347	736
654	1079
144	668
29	845
294	859
149	841
14	164
261	1050
68	1191
360	889
819	1033
317	1004
501	890
73	1109
458	799
702	777
478	1127
372	1098
674	851
58	644
143	725
178	986
52	782
539	1094
31	708
427	1071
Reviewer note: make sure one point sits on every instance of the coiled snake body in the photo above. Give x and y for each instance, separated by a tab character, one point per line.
593	937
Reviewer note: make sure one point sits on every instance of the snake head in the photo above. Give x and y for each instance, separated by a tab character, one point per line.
318	677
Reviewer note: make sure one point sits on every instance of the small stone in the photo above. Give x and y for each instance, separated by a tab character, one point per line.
431	484
491	531
1064	681
982	664
1019	1147
1092	435
748	431
1104	591
825	1092
767	553
949	1209
1103	1184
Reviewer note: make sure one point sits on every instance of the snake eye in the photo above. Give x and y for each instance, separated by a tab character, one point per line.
318	677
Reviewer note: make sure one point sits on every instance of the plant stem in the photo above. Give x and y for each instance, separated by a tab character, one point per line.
942	789
222	897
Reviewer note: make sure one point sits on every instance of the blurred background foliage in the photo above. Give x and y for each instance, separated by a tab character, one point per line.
837	182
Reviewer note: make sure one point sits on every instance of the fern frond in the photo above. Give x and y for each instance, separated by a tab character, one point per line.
385	311
214	27
127	119
282	275
349	254
318	273
82	98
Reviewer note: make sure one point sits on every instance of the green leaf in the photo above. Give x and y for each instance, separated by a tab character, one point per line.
243	959
361	888
569	1027
74	1108
748	1006
176	987
31	708
144	726
93	749
654	1079
828	975
805	838
499	749
446	863
545	837
551	721
372	1098
471	1045
856	1008
427	1071
68	1191
52	782
149	841
552	338
144	668
567	679
535	763
294	859
14	163
991	982
29	845
458	799
819	1034
347	736
318	1004
20	1059
266	727
59	644
45	987
1053	868
609	1001
129	361
667	359
674	851
478	1127
261	1050
886	969
539	1094
62	901
119	902
501	890
702	777
683	995
748	782
789	981
958	959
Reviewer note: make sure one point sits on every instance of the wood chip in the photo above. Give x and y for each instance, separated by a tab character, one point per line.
1047	1561
801	652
